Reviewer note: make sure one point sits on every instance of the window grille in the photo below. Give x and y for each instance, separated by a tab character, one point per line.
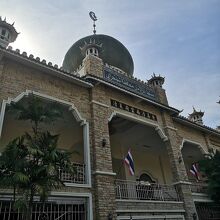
64	210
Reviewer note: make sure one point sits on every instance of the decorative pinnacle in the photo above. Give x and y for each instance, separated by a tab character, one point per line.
94	18
195	112
12	33
91	43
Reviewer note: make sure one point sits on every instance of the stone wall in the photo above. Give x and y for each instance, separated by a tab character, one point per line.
149	205
94	105
191	134
150	209
17	78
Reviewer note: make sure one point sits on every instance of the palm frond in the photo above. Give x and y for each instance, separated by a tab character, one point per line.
21	178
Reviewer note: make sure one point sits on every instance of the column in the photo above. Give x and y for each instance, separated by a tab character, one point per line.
178	169
102	160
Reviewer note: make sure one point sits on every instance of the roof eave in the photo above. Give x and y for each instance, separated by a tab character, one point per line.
168	108
43	67
197	126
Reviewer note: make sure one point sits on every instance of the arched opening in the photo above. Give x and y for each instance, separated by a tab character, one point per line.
92	51
192	153
152	168
147	148
72	131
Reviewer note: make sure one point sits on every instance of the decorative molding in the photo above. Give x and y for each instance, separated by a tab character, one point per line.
163	106
130	84
70	194
151	210
99	103
171	128
161	133
133	110
144	121
76	185
71	108
182	182
203	197
200	146
104	173
138	217
130	116
148	201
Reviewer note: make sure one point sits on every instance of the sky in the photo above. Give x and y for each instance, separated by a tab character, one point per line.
179	39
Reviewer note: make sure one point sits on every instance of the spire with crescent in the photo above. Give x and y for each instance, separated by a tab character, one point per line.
94	18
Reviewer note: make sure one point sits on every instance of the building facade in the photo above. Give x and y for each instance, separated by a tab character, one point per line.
107	112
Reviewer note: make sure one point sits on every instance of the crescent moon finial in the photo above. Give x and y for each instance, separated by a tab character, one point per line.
94	18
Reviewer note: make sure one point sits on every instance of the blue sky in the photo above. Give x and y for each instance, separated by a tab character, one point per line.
179	39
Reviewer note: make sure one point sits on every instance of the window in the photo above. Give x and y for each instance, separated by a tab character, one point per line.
146	178
3	32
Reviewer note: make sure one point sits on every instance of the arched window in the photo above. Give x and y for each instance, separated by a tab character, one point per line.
146	178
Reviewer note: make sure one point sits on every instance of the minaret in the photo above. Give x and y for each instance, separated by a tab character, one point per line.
196	116
8	34
92	64
91	50
156	81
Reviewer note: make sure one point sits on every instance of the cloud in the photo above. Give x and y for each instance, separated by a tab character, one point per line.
178	40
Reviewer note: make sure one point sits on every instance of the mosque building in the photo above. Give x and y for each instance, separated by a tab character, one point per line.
135	151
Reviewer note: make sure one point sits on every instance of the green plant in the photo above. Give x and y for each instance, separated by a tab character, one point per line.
30	164
210	166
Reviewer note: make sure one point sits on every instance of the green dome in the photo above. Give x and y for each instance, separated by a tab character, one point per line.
113	53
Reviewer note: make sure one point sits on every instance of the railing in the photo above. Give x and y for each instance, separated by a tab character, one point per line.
48	211
199	187
77	177
144	191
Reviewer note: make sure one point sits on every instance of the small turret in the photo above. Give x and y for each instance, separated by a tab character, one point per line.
196	116
156	81
8	34
92	48
218	128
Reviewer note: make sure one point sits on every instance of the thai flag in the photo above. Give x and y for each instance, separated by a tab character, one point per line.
129	162
195	170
